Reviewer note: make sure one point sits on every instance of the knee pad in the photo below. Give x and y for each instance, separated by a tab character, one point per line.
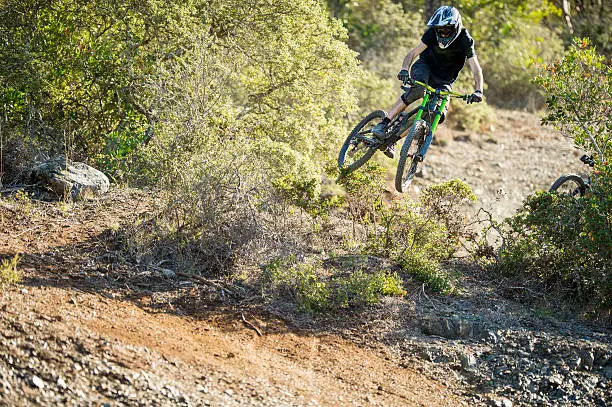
413	94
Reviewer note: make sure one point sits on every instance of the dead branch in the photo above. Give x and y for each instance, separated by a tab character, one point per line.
250	325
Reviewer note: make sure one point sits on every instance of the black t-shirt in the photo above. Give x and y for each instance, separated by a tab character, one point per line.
446	63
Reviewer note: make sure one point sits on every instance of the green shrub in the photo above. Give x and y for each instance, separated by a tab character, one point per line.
306	194
564	244
421	237
474	117
560	242
513	62
314	290
444	203
364	192
8	271
362	288
428	271
578	89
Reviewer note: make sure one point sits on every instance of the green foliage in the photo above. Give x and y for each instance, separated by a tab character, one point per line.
565	243
382	32
562	242
249	110
306	194
364	189
589	19
77	70
428	271
443	203
103	79
511	37
421	237
363	288
312	291
513	62
8	271
474	117
579	97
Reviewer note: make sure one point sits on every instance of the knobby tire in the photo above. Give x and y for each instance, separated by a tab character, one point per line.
374	117
407	166
566	181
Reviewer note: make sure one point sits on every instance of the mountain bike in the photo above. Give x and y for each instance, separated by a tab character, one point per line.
573	184
361	144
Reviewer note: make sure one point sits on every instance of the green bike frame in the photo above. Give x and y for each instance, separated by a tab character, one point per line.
444	95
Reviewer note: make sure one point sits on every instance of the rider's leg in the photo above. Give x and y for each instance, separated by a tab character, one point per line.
413	94
406	99
420	72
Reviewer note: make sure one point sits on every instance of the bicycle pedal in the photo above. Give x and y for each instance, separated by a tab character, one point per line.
418	158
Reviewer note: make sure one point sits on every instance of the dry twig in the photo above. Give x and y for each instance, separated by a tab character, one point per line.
250	325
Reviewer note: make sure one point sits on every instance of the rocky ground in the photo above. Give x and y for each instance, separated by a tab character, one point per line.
85	327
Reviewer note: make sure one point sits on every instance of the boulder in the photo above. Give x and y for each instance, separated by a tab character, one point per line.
452	327
70	179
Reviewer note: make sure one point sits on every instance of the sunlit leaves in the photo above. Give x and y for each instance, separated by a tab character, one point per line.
579	96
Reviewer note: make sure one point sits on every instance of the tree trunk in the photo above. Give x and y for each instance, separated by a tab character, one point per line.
566	14
430	7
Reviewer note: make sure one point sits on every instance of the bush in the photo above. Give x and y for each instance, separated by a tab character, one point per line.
578	89
421	237
364	193
75	73
306	194
236	144
363	288
316	291
513	62
564	244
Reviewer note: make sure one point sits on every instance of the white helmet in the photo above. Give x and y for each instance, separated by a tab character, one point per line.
447	22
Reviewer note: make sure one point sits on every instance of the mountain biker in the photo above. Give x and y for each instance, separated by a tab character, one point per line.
442	52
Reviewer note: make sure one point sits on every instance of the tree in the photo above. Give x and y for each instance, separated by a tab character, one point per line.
590	19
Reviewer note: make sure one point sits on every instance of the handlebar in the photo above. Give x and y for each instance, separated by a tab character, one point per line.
441	92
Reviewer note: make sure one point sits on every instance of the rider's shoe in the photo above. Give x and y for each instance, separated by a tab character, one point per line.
390	151
380	130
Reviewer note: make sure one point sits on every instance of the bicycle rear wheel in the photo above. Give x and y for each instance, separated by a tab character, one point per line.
408	164
570	184
358	147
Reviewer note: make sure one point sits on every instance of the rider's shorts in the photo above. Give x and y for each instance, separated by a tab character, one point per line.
421	72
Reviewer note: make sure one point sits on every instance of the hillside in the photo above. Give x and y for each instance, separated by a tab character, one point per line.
86	326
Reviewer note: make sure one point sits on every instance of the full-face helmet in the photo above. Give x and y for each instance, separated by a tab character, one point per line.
447	22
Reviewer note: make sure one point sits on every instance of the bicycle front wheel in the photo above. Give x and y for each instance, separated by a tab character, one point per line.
570	184
357	148
408	164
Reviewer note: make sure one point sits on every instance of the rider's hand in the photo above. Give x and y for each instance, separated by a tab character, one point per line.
475	97
404	76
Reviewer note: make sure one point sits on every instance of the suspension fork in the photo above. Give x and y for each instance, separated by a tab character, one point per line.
432	128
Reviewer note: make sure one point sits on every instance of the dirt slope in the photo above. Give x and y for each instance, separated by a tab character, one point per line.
83	347
67	341
85	328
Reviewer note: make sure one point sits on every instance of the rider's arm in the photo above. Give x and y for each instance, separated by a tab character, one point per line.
412	55
477	71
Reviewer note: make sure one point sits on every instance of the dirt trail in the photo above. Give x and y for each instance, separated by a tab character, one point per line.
217	360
